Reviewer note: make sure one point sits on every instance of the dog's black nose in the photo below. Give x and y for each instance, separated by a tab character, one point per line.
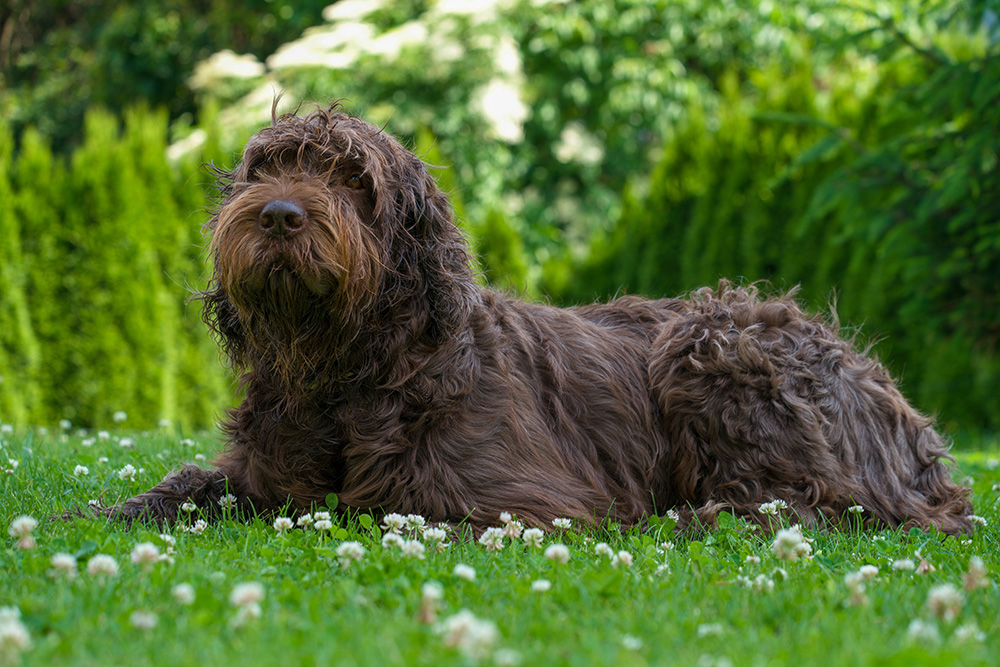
281	218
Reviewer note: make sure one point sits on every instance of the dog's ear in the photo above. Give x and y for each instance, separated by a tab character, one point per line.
427	245
220	315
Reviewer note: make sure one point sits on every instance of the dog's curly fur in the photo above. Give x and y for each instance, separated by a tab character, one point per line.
375	368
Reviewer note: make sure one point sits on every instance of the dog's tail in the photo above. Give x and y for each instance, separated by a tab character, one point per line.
762	402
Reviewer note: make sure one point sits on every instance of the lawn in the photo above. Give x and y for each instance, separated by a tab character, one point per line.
340	592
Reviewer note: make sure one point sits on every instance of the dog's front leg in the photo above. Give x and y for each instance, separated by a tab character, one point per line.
206	489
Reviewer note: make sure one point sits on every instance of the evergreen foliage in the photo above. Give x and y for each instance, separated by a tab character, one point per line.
99	288
642	147
879	193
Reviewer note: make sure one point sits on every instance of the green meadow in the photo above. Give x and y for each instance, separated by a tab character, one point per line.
265	591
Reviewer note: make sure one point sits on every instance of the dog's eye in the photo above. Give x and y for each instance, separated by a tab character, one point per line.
353	181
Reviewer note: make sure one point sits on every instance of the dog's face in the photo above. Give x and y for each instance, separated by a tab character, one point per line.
299	210
325	220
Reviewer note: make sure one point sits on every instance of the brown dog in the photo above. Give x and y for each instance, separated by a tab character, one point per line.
374	367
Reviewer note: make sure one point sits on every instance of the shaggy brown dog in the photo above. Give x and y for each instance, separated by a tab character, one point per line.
374	367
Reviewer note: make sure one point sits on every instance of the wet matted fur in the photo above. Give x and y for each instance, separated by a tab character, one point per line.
374	367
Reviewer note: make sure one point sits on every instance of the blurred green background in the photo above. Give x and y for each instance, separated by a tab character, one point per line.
591	148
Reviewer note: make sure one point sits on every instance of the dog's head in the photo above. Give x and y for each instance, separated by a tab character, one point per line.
327	230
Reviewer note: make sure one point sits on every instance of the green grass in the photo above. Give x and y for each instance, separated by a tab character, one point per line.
685	605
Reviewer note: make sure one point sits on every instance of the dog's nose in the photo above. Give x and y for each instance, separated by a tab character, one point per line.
282	218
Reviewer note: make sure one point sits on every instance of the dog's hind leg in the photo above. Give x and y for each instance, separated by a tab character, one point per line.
761	402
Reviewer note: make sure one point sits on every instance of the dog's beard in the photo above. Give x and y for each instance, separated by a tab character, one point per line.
302	324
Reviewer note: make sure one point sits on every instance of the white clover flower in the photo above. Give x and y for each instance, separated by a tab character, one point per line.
246	593
541	585
904	565
789	545
103	436
673	515
631	643
81	471
394	522
855	509
188	507
282	524
143	620
304	521
200	457
63	564
169	540
145	553
855	585
14	636
760	583
492	539
321	516
88	442
996	487
119	416
622	558
752	560
558	553
392	540
415	522
187	442
199	527
976	519
602	549
506	657
923	632
436	539
868	572
773	507
102	459
183	593
65	424
102	565
533	537
432	591
126	443
435	535
561	523
127	472
227	502
22	526
924	567
323	524
473	637
513	529
976	578
6	429
505	518
968	632
413	549
350	551
945	601
465	572
710	630
245	614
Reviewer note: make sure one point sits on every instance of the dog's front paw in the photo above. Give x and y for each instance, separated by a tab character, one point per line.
143	508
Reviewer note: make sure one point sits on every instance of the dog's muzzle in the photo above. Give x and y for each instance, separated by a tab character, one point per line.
282	218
